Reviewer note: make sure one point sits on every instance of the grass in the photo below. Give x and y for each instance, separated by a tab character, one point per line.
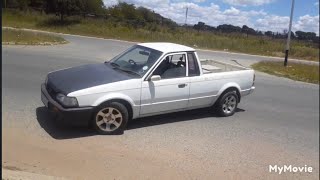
151	33
295	71
20	37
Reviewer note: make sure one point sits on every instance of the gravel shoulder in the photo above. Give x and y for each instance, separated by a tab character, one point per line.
102	157
83	159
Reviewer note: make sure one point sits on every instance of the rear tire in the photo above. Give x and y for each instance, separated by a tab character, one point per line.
227	104
110	118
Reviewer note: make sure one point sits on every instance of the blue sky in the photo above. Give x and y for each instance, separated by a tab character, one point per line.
259	14
279	7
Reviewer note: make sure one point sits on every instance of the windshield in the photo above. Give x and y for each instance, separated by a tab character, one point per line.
137	60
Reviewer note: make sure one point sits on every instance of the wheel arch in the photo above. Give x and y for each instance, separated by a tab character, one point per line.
123	102
230	87
126	101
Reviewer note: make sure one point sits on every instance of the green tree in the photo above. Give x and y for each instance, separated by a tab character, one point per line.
37	4
200	26
127	14
146	14
23	4
91	7
73	7
269	33
305	35
228	28
247	30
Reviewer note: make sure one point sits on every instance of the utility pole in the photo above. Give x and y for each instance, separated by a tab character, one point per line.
289	35
185	22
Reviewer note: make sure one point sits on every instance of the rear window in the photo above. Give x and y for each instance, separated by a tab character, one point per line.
193	65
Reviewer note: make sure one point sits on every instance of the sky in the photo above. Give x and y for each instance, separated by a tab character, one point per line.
262	15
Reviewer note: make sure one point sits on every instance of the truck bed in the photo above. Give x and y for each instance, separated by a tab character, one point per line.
213	66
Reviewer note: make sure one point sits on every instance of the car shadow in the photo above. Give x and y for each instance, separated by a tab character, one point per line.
58	130
173	118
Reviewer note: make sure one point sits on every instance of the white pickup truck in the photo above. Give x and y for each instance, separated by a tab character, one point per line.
147	79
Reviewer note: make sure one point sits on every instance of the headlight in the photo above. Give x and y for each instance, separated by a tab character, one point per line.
67	101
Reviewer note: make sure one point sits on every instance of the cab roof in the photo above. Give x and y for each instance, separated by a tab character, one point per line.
167	47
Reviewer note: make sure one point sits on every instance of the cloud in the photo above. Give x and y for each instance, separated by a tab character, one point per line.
316	3
199	1
273	22
214	16
307	23
109	3
232	11
211	15
279	23
195	1
248	2
149	3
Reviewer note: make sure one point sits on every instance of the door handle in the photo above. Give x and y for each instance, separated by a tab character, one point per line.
182	85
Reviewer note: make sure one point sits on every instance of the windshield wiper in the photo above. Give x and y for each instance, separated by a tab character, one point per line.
131	72
115	64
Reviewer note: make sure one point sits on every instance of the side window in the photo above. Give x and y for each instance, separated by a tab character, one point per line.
193	65
173	66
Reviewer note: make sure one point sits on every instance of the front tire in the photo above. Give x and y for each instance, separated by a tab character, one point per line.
227	104
110	118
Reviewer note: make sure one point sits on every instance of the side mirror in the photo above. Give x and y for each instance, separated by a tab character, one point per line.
155	78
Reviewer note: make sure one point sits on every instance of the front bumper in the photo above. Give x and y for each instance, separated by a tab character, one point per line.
74	116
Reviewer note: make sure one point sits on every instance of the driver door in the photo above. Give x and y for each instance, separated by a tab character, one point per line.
171	92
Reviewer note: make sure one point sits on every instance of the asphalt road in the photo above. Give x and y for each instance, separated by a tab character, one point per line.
278	124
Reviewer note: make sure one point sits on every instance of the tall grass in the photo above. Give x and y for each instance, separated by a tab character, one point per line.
10	36
110	29
295	71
